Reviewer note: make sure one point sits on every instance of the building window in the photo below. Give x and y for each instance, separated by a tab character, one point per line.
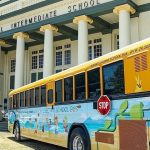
12	73
67	54
40	61
90	53
40	75
33	77
59	48
63	55
12	65
58	55
59	70
36	76
97	50
94	48
67	57
59	58
34	62
37	65
37	59
117	42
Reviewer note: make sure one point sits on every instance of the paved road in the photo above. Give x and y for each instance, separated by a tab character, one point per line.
7	142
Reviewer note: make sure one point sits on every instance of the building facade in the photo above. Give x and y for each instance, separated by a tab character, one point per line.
41	37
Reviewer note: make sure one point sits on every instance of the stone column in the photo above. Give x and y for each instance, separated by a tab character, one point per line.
2	43
82	22
48	49
20	55
124	12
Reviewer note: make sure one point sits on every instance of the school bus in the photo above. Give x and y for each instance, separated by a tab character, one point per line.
63	108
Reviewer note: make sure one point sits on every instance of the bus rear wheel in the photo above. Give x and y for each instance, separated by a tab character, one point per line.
79	140
17	132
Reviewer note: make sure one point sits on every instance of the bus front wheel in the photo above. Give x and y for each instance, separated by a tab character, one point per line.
79	140
17	132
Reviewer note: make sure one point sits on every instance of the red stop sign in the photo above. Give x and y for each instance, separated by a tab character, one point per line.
103	105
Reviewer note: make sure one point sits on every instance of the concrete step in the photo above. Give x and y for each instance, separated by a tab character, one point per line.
4	126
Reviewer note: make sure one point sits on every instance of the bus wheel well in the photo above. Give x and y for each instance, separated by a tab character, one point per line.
81	126
15	125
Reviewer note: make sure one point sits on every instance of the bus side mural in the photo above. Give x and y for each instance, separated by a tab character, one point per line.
56	122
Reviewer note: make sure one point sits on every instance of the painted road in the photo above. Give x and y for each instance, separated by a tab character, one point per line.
7	142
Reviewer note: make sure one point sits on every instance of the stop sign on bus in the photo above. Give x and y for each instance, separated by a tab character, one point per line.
103	105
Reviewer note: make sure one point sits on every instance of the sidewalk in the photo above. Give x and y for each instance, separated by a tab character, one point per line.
7	142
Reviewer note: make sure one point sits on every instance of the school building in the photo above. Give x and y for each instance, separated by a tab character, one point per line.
41	37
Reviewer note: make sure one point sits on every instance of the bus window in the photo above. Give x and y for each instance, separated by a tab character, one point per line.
113	78
58	91
80	86
22	99
10	103
50	96
17	100
32	97
68	89
14	101
94	83
43	95
27	98
37	96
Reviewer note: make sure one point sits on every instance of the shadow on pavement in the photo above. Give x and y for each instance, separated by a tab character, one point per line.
37	145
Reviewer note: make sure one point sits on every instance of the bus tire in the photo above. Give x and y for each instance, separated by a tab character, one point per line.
79	140
17	132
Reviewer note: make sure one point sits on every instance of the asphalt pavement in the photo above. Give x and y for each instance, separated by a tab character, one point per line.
7	142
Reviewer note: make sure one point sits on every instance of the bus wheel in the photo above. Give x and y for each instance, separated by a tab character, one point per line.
17	132
79	140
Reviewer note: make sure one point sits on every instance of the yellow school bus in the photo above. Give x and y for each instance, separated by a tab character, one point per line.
103	104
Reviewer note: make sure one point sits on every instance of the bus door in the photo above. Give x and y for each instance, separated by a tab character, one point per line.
53	117
50	110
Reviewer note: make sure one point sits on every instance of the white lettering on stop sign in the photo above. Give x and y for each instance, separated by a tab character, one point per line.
103	105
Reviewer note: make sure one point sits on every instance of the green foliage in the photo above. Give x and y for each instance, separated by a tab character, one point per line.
107	123
123	107
136	111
